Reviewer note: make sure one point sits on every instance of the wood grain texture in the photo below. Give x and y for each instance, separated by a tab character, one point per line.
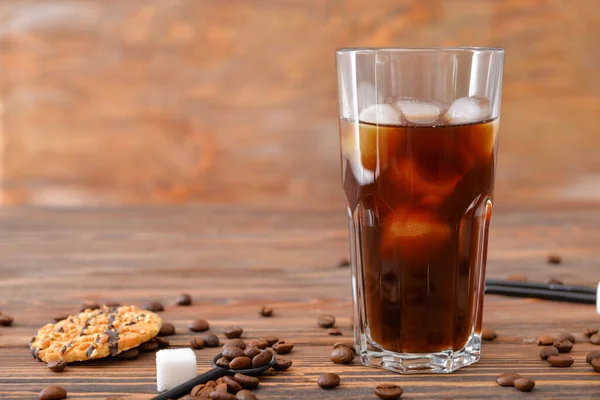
234	260
153	101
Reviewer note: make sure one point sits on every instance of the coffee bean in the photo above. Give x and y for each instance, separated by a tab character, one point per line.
196	390
241	363
231	352
507	378
261	344
190	397
232	385
544	340
88	305
153	306
129	354
150	345
236	343
283	347
590	331
349	345
221	386
222	362
57	366
555	281
251	351
326	321
266	311
596	364
334	332
554	259
221	396
211	384
548	351
524	384
210	339
282	364
183	299
488	333
262	359
566	336
518	278
595	339
245	395
342	355
112	304
592	355
271	340
166	329
563	346
388	392
197	343
6	320
247	382
53	393
199	325
60	317
560	361
344	262
233	332
328	380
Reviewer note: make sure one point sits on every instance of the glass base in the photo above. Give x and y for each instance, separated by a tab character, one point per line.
442	362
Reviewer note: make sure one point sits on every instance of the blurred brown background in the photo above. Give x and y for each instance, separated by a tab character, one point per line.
111	102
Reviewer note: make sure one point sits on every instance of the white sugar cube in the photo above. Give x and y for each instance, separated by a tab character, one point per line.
174	367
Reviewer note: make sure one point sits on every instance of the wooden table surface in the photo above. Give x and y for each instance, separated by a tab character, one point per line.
234	260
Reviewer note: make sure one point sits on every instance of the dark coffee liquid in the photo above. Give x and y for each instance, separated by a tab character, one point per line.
420	197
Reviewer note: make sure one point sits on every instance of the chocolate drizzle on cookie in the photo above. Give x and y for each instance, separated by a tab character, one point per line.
113	342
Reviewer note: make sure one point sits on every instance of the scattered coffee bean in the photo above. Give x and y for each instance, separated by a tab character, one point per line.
344	262
334	332
60	317
271	340
544	340
524	384
199	325
221	386
210	339
53	393
236	343
261	344
232	385
112	304
251	351
563	346
548	351
247	382
388	392
222	362
554	259
231	352
245	395
328	380
262	359
197	343
150	345
595	339
592	355
221	396
88	305
211	384
590	332
566	336
233	332
200	389
153	306
57	366
283	347
183	299
507	378
129	354
282	364
596	364
266	311
518	278
555	281
342	355
6	320
561	360
166	329
241	363
488	333
190	397
326	321
349	345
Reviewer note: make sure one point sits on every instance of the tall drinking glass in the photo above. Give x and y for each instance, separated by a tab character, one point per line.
419	134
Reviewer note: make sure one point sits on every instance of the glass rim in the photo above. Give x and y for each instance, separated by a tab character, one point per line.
393	50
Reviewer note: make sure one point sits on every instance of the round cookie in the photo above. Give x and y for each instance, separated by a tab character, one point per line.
92	334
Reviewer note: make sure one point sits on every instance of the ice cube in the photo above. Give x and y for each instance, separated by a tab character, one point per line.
431	186
381	114
174	367
468	109
419	112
